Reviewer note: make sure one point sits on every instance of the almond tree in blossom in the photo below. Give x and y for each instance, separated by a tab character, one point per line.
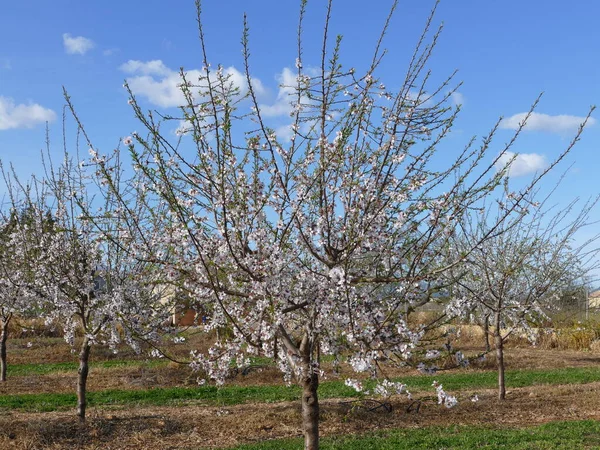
321	238
523	268
90	284
16	296
68	273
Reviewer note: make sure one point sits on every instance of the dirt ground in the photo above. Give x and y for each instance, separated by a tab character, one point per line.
195	426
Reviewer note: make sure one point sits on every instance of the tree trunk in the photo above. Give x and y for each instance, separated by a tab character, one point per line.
84	356
310	409
3	338
486	332
308	379
500	359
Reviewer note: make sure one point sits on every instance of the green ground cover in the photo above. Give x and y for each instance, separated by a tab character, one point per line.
14	370
234	394
555	435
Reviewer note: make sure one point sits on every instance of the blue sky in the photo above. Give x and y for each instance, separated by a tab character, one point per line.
506	52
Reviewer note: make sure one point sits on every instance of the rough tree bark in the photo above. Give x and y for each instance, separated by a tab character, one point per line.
82	372
310	408
3	338
308	379
486	332
499	342
275	354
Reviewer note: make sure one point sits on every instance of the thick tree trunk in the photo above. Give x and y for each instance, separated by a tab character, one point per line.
84	356
3	338
486	332
308	379
499	342
310	409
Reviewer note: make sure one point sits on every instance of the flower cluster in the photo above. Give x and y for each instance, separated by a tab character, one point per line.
445	399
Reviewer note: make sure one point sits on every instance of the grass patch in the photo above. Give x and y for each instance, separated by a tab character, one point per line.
210	395
514	378
232	394
555	435
470	380
14	370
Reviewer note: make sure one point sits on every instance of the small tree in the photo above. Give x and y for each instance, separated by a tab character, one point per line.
68	271
15	280
18	295
89	283
521	270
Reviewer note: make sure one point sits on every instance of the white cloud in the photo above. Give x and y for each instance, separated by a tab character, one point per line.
287	87
154	67
78	45
184	128
22	116
164	92
110	51
457	98
284	133
259	88
543	122
523	163
160	85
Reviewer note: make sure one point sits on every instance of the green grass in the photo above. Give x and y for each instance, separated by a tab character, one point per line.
210	395
230	395
71	366
14	370
470	380
514	378
556	435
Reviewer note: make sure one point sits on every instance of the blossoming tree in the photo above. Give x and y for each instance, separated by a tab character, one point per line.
16	296
89	283
320	239
517	274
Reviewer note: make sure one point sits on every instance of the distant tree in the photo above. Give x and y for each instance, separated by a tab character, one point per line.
68	269
15	293
90	284
524	267
18	296
573	304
